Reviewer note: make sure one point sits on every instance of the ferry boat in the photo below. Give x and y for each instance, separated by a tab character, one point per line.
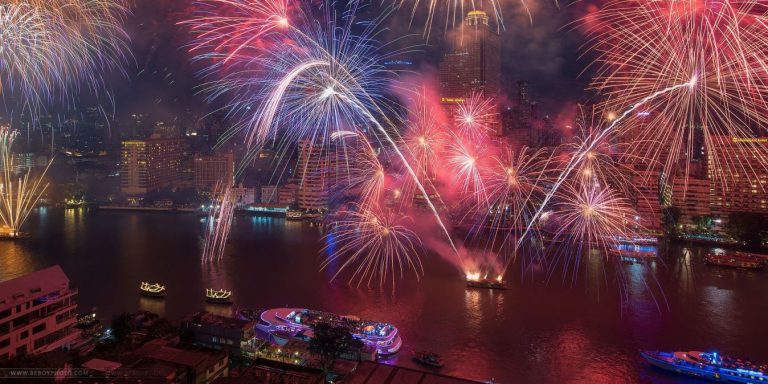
384	338
708	365
218	296
735	260
152	290
633	252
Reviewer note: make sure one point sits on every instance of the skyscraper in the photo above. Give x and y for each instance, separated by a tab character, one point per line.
474	62
316	174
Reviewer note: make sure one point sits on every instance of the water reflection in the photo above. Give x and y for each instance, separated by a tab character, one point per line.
152	304
15	259
569	331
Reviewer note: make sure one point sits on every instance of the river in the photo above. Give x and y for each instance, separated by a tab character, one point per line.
536	331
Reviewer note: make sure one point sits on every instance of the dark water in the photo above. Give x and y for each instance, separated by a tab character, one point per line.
533	332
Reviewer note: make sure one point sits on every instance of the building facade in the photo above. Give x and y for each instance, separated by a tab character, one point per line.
151	164
740	183
37	313
211	169
315	170
474	63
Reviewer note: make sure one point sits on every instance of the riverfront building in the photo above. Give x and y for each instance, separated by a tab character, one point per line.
37	313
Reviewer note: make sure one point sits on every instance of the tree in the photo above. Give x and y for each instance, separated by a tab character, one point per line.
748	227
671	217
122	326
330	342
160	328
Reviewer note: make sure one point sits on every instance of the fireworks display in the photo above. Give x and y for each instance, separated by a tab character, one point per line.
644	47
218	222
50	48
18	194
672	78
373	244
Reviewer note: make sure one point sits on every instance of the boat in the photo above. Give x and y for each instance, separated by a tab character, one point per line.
486	283
708	365
294	214
219	296
428	358
152	290
382	339
735	260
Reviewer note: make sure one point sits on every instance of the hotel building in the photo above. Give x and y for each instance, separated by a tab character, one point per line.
37	313
210	169
151	164
316	172
740	183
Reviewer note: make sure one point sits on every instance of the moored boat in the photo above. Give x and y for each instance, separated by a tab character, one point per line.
218	296
708	365
152	290
428	358
735	260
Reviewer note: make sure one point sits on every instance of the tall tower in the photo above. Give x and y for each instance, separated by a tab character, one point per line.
473	63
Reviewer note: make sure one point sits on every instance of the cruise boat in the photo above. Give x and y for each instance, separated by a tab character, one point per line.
298	322
633	252
152	290
735	260
708	365
218	296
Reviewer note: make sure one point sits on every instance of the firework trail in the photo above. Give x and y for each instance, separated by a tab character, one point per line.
515	184
48	48
645	46
373	244
590	145
17	197
366	175
324	80
465	159
219	222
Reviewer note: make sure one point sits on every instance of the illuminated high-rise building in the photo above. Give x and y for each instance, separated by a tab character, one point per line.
211	169
150	165
316	173
739	184
474	63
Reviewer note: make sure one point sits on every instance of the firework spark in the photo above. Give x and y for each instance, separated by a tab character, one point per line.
719	47
322	80
373	244
475	117
17	197
219	222
48	48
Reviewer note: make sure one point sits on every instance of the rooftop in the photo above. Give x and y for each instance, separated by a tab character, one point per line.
31	285
206	318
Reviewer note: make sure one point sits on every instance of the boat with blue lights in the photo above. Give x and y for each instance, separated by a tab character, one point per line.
708	365
299	322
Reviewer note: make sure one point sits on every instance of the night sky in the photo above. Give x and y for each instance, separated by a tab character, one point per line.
160	77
